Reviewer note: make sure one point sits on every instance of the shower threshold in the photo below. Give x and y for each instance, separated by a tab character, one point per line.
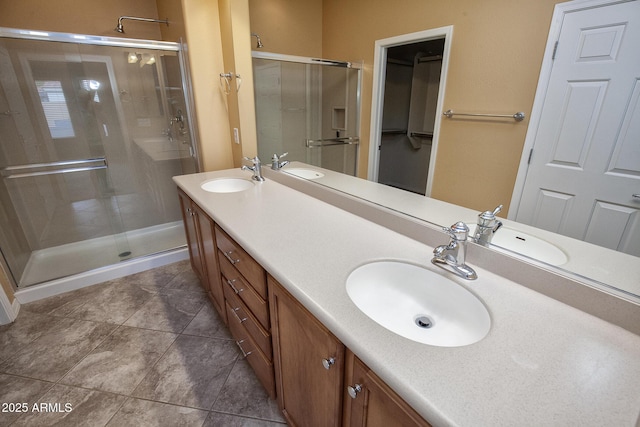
91	261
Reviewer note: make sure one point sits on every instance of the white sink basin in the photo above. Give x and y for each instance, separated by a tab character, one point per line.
529	245
226	185
304	173
418	304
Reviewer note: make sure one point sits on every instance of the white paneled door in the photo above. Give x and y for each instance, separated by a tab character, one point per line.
584	170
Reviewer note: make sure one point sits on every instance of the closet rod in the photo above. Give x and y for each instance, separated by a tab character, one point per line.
518	117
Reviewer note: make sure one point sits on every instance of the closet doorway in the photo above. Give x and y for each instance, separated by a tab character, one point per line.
409	81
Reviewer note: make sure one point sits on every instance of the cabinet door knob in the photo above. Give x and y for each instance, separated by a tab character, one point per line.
354	390
328	362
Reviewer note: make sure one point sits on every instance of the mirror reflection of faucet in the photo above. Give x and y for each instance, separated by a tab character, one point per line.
276	164
487	225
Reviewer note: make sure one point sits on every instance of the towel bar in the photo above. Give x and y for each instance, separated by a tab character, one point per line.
518	117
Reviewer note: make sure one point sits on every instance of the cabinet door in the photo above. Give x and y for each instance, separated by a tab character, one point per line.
191	230
308	393
370	402
210	260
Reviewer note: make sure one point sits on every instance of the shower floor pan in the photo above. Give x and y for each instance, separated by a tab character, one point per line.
74	258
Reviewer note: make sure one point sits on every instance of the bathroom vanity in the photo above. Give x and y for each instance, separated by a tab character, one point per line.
276	262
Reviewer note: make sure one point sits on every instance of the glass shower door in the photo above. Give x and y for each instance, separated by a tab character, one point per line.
309	109
90	136
60	116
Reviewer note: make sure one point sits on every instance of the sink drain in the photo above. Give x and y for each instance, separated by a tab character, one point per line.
424	322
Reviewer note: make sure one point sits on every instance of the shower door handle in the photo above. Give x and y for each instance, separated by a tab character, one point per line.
65	166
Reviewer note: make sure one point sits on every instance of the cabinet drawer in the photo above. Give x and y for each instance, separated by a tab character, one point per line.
241	287
260	364
249	268
242	316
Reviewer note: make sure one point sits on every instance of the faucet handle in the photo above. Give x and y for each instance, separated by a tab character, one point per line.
254	160
488	218
458	231
275	156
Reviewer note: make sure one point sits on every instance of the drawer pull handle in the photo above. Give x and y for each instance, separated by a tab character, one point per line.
235	313
230	283
354	390
244	353
327	363
227	255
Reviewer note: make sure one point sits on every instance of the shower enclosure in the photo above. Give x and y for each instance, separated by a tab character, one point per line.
91	131
309	108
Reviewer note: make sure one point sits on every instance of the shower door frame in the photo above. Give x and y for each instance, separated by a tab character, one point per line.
86	39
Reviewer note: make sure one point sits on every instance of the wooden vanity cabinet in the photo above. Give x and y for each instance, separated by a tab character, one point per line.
191	231
201	240
369	402
308	361
316	375
245	290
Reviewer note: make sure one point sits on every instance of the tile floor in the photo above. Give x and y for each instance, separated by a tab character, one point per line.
144	350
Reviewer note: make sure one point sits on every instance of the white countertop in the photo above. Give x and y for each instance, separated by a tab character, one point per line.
542	363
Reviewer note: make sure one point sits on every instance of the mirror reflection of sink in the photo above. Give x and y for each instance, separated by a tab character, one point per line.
226	185
304	173
528	245
418	304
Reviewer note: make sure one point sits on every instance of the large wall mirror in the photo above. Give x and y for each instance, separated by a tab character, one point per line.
497	54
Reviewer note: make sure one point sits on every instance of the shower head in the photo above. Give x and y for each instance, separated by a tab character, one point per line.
120	28
259	44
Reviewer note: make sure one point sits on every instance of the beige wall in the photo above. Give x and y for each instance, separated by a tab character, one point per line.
236	48
202	24
81	16
292	27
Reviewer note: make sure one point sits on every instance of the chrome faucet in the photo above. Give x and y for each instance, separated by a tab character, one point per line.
452	256
256	168
276	164
487	225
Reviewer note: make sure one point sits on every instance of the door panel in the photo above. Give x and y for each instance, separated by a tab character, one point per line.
585	165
